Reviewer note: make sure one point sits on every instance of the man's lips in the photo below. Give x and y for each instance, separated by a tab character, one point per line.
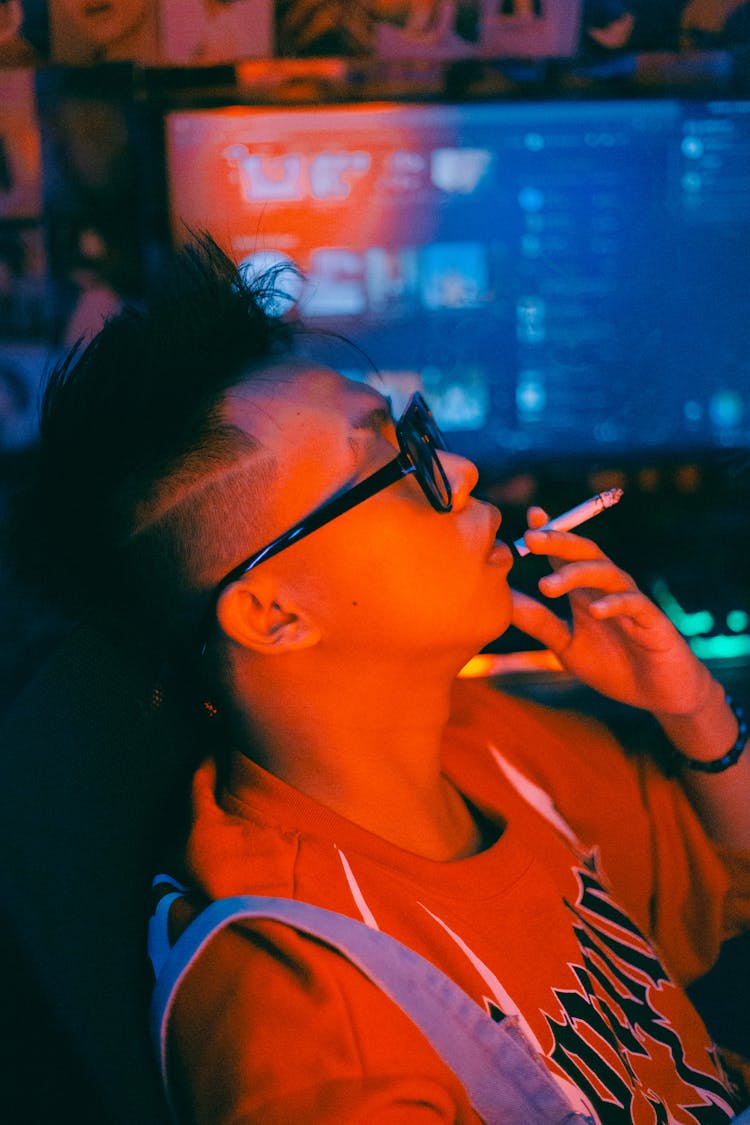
500	555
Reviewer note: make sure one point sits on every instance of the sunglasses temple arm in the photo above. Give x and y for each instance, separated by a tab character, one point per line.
391	472
394	470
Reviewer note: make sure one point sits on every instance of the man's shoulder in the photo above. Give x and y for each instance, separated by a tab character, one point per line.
262	839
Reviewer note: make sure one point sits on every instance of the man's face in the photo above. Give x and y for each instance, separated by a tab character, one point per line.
105	21
392	572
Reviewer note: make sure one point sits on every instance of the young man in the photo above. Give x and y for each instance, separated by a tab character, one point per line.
329	572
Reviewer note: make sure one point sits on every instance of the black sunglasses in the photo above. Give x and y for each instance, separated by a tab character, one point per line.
419	440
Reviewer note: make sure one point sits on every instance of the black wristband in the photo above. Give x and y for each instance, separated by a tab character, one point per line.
718	765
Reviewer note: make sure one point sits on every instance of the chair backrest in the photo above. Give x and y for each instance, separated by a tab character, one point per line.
92	775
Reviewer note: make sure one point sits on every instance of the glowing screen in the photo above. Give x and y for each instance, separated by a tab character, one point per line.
557	277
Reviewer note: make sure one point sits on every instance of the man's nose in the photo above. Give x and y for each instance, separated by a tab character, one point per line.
462	475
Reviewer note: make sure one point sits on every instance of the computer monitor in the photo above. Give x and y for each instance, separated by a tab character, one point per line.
560	278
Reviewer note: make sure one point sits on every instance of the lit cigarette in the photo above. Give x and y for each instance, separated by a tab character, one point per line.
576	516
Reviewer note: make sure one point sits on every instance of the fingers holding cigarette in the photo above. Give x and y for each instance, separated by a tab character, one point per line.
598	575
560	547
566	521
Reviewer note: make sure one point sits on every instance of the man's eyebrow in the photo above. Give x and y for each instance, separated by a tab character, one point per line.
375	419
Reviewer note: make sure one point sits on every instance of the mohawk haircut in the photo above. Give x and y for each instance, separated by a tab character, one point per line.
133	411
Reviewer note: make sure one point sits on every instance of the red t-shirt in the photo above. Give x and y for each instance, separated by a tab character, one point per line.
549	923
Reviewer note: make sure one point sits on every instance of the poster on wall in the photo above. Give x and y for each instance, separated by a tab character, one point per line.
23	310
119	30
478	29
429	29
20	153
156	32
24	33
215	31
93	195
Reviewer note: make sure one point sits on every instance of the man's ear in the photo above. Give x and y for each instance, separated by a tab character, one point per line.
254	612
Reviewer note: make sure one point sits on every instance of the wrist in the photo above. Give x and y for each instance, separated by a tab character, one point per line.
701	754
708	730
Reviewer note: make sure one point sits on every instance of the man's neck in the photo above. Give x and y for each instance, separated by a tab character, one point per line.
372	753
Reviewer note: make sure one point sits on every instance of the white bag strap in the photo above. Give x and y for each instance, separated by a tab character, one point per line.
503	1075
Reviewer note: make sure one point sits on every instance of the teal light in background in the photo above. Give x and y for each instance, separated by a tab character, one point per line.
689	624
738	620
721	647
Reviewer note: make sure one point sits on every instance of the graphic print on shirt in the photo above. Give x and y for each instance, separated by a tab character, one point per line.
611	1031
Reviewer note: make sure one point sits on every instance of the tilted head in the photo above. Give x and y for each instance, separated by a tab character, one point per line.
191	434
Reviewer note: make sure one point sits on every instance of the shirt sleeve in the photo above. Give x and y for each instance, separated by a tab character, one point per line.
270	1027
